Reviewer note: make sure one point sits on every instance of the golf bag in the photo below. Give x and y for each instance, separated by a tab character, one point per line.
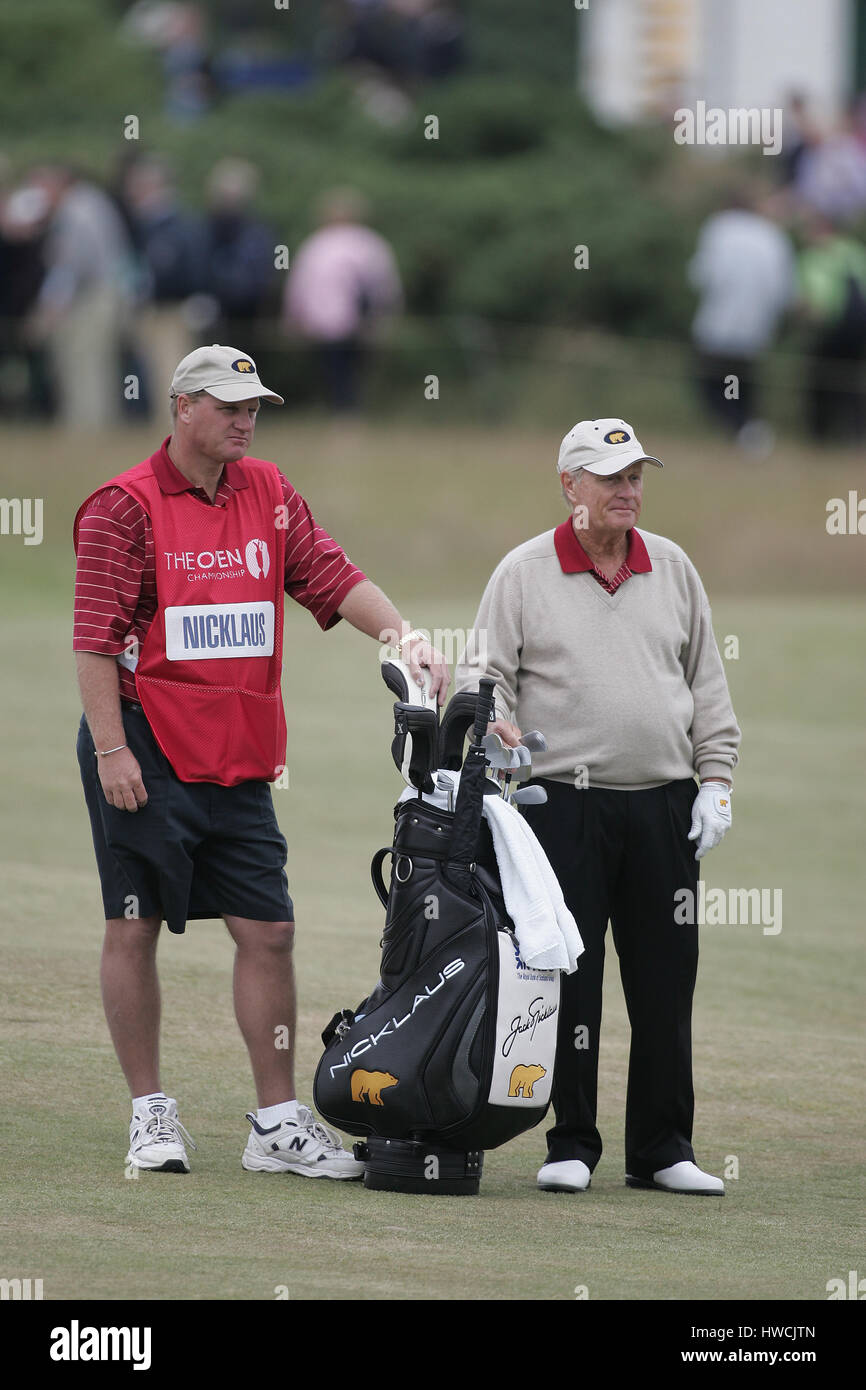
453	1051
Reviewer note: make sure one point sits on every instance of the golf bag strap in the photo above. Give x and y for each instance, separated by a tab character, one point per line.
376	873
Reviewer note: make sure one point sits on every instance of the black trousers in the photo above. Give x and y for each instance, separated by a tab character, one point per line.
343	366
712	372
622	856
834	388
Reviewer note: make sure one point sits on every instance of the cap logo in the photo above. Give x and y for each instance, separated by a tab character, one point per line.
243	364
617	437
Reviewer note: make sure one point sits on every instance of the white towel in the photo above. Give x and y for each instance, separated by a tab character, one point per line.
547	934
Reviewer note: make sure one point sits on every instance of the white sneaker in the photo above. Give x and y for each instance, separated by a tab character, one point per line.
572	1175
156	1139
299	1146
682	1177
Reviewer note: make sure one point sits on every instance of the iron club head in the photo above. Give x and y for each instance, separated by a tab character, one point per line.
534	741
529	796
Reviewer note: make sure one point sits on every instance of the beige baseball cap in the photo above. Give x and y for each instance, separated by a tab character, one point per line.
603	447
223	372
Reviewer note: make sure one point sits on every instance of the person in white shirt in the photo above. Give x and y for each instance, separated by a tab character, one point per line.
744	271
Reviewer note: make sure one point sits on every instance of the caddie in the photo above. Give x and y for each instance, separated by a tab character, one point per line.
182	563
600	635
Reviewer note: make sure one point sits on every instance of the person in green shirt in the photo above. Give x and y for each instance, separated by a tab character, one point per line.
832	284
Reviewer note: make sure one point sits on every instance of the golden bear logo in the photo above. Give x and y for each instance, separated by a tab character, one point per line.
524	1078
243	364
616	437
369	1085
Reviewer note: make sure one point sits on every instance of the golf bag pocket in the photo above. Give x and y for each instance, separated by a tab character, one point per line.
527	1010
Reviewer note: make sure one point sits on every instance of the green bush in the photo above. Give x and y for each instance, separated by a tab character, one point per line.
65	72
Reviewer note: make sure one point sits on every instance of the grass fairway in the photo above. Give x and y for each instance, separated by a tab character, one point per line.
778	1030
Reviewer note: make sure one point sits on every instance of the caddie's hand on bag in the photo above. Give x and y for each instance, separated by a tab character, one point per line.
711	816
419	654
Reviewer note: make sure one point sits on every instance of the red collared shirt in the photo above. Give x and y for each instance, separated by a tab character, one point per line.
115	581
574	559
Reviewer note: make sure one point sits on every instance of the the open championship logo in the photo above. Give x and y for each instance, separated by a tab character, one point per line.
257	558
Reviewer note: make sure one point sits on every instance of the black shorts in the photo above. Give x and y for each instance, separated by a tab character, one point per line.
195	850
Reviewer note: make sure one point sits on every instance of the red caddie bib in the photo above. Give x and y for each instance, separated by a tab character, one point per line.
208	674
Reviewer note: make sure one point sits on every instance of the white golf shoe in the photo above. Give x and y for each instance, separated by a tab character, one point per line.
682	1177
301	1146
156	1138
571	1175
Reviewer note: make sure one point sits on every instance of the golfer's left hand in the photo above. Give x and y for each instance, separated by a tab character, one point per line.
421	654
711	816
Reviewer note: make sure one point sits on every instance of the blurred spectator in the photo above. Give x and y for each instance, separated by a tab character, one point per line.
439	38
343	287
186	64
800	134
180	31
832	281
24	381
830	175
167	241
85	296
744	272
407	38
238	249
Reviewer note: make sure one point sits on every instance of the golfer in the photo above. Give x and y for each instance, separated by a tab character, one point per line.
182	562
600	636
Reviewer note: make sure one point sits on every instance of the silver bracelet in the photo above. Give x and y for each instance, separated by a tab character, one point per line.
104	754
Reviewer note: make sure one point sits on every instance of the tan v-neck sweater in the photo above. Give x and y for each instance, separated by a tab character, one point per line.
628	688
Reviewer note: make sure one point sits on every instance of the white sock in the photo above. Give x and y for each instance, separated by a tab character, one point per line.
140	1103
270	1115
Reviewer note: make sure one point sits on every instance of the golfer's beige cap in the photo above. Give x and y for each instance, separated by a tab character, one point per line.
223	372
603	447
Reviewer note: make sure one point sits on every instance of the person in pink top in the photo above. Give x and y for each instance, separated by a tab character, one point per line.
343	285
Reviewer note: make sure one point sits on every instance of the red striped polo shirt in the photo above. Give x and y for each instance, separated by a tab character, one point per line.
574	559
115	578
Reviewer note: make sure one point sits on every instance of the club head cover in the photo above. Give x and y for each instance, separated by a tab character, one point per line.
400	681
416	744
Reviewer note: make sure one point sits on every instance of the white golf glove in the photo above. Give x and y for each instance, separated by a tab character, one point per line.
711	816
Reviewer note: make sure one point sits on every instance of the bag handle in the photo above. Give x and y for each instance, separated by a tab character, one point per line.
376	873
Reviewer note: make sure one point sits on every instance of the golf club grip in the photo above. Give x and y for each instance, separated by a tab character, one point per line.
483	709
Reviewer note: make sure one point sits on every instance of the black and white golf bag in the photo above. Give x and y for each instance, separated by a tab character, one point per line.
453	1051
